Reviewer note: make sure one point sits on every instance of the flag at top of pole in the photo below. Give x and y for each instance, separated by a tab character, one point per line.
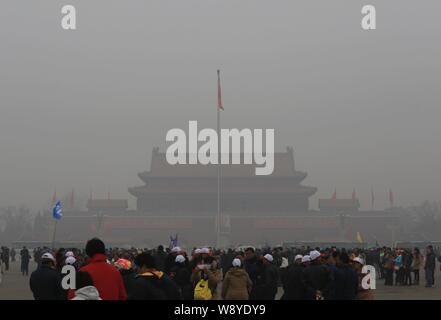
219	92
57	211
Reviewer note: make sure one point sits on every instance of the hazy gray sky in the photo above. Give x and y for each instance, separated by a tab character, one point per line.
83	109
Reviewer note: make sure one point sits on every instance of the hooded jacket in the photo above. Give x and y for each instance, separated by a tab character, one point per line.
154	285
45	283
236	285
87	293
106	278
181	275
267	283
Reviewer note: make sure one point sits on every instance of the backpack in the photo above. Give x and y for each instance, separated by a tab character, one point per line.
202	291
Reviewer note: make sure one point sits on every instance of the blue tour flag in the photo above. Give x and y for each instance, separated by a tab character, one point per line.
173	241
57	213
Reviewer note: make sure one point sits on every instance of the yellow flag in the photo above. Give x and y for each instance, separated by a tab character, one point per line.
359	239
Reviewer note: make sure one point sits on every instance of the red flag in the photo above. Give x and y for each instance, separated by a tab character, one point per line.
354	195
372	198
391	198
334	195
54	197
219	92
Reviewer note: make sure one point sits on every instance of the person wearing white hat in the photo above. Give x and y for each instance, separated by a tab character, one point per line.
359	260
268	257
170	259
176	250
317	278
292	280
69	254
70	260
237	283
314	255
181	276
45	282
47	257
236	263
180	258
267	287
306	259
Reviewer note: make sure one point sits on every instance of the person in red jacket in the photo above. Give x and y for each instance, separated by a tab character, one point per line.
106	278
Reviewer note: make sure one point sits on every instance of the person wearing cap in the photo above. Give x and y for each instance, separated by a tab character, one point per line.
306	261
267	282
237	284
45	282
316	278
362	294
71	261
151	283
105	276
170	259
293	288
181	275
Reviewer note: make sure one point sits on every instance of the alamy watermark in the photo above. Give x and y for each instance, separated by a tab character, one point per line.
202	147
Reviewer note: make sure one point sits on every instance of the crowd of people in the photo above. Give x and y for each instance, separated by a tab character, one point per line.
209	274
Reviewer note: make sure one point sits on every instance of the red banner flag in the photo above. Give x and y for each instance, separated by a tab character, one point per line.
334	195
354	195
219	92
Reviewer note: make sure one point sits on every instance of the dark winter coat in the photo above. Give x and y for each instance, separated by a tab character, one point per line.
292	283
154	286
45	284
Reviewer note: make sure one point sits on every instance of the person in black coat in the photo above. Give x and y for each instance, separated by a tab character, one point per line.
292	281
160	258
267	279
252	267
317	278
344	278
45	282
152	284
181	275
25	257
5	257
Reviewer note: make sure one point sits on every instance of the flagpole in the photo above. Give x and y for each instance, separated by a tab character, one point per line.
53	236
218	227
218	179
